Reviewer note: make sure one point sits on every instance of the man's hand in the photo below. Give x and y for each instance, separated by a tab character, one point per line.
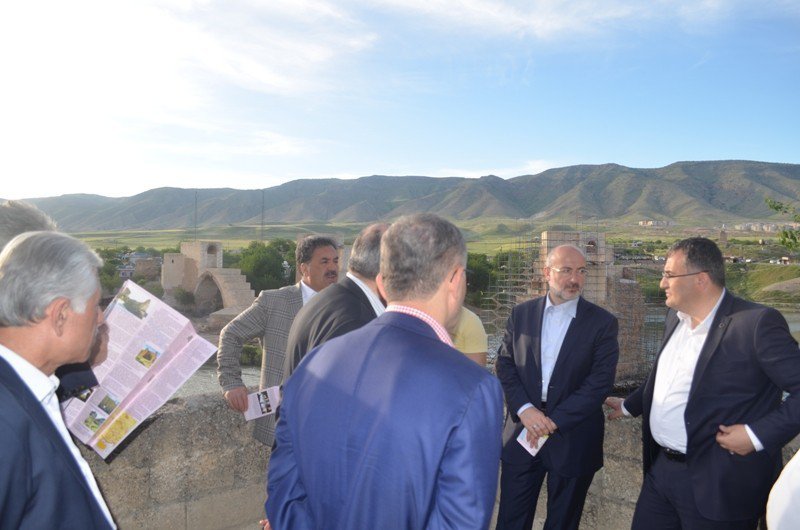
99	350
237	398
735	439
615	404
264	523
537	424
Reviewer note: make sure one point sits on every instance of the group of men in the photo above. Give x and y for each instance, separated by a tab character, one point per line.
384	424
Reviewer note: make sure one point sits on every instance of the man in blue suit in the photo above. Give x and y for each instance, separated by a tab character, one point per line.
557	363
49	315
713	423
389	426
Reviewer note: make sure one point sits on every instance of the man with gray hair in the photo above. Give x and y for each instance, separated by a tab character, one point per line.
389	426
342	307
17	217
556	363
49	315
269	318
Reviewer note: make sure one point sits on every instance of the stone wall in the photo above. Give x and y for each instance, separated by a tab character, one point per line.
196	465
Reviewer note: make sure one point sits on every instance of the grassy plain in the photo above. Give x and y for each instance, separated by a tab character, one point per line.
485	236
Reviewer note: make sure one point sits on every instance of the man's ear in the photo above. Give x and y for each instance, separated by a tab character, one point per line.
379	283
57	314
303	268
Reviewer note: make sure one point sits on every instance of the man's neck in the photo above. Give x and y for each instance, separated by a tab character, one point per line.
373	286
22	341
704	307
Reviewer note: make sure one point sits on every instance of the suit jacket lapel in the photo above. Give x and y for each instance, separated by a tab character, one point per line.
536	331
715	333
296	301
35	411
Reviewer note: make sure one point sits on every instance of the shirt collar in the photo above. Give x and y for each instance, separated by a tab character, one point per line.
570	307
307	292
706	323
41	385
442	333
374	301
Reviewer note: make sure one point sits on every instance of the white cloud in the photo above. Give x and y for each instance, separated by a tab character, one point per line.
553	19
529	167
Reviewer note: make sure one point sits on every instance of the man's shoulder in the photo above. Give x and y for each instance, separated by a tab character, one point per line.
270	299
528	305
287	291
595	311
741	310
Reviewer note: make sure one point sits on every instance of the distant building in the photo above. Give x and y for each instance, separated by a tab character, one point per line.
126	271
654	223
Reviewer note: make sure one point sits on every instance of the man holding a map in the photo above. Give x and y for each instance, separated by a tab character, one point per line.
49	315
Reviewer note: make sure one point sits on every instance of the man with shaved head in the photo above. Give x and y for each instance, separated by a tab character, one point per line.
556	364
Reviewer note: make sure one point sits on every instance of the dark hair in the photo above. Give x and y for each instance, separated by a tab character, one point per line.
702	254
365	259
306	247
417	252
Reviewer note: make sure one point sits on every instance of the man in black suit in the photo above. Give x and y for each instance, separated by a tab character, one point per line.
713	423
342	307
556	365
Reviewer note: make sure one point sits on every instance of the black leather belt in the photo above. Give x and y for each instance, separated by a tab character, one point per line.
543	408
672	454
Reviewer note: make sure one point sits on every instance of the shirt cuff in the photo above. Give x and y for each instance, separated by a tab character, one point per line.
523	408
624	410
754	439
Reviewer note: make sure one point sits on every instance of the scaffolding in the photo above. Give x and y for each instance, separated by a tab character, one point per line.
628	288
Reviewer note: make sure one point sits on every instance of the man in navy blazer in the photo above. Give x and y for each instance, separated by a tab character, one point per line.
713	422
389	426
557	363
49	315
343	306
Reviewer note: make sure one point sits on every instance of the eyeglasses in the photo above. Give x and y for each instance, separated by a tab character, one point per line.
668	275
567	271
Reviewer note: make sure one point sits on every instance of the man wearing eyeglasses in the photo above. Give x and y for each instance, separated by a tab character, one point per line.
713	423
556	365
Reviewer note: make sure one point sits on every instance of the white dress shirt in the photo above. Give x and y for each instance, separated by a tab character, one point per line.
374	301
676	366
306	291
555	323
44	388
782	508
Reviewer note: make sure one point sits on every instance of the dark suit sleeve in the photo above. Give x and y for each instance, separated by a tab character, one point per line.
305	336
634	403
506	369
13	477
589	396
287	503
466	485
779	357
74	379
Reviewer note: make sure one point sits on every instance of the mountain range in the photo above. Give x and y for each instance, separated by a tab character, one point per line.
684	192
